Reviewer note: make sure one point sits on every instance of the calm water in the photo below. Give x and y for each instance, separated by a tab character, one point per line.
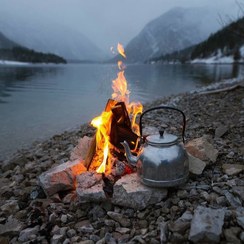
39	101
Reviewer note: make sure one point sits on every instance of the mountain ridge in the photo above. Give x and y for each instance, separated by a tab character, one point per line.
226	42
174	30
54	38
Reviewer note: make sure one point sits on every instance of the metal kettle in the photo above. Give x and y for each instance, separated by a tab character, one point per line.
162	160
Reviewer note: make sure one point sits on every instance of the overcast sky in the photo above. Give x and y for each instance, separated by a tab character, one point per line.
106	22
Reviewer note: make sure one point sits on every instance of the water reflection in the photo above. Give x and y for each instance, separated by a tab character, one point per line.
14	78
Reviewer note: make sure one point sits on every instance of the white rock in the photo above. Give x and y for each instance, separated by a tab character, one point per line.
130	192
61	178
196	165
206	225
202	149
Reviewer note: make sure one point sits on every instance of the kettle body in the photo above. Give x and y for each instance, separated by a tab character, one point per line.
163	167
162	160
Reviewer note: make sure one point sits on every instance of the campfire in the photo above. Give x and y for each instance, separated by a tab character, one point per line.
116	124
104	168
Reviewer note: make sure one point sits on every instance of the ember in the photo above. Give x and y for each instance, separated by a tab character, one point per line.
116	123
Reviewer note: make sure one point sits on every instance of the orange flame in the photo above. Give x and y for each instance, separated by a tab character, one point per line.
103	122
121	50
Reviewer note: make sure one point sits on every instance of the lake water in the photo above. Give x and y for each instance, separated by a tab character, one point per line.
40	100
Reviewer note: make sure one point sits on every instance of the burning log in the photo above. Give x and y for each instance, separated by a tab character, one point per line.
120	130
91	152
121	127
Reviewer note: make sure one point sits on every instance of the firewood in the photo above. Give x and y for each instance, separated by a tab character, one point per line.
91	152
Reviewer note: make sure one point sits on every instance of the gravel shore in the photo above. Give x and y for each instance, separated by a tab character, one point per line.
27	216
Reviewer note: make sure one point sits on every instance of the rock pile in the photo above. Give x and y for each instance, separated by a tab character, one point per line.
208	208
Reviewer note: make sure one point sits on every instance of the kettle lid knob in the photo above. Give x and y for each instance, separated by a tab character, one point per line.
161	133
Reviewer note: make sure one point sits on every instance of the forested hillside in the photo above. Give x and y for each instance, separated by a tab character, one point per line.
224	43
30	56
12	51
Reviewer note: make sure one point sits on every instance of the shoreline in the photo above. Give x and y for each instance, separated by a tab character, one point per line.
27	215
74	130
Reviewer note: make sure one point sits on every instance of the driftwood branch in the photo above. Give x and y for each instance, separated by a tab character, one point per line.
221	90
91	152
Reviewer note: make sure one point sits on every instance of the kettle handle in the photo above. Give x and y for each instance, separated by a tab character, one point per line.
165	107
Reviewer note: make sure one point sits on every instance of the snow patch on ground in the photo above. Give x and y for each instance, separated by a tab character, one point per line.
7	62
214	60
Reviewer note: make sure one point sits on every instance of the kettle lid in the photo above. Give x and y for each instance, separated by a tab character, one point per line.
162	139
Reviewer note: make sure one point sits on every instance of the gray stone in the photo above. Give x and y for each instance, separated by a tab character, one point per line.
206	225
123	230
61	178
87	242
196	165
26	234
64	218
242	236
71	233
10	207
10	164
88	179
239	190
240	221
202	149
56	239
120	218
92	194
181	224
220	131
11	227
163	228
129	192
232	200
86	229
232	169
231	235
90	187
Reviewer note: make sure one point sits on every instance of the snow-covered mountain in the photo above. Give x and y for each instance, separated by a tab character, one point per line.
51	38
172	31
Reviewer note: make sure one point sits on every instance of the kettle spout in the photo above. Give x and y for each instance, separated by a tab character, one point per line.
130	158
